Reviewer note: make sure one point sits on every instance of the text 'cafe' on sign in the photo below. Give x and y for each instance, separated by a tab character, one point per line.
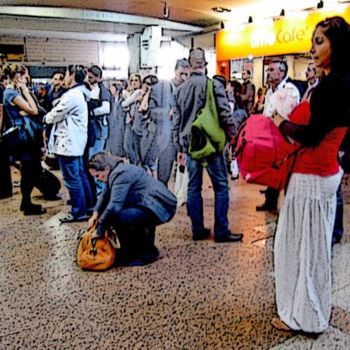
283	36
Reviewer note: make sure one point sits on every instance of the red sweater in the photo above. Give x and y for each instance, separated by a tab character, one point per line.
322	159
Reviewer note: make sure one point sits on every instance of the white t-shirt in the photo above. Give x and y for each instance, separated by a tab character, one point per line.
282	100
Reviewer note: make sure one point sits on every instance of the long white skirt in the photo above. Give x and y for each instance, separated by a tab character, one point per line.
302	252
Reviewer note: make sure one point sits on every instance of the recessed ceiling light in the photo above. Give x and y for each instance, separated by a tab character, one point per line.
220	9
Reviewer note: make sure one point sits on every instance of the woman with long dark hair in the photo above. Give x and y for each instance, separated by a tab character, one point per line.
18	104
303	239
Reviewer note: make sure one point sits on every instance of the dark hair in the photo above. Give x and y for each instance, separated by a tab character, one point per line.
118	83
79	72
96	71
182	63
61	74
100	161
237	86
151	78
283	65
10	70
261	91
337	30
125	83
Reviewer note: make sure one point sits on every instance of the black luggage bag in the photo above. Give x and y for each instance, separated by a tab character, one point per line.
48	184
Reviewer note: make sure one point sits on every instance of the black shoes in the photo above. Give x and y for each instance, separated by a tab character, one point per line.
201	236
32	209
266	207
5	195
144	259
52	198
230	238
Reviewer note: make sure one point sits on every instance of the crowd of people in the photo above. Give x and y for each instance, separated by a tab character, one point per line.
118	147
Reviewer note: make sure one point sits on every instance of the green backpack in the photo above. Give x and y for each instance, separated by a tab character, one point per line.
207	136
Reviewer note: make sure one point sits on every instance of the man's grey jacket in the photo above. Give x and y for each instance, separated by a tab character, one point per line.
190	98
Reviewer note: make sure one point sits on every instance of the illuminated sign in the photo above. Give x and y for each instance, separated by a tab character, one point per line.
283	36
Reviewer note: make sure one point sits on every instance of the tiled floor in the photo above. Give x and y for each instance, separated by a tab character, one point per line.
200	295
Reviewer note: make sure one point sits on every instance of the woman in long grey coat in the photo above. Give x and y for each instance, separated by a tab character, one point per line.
134	203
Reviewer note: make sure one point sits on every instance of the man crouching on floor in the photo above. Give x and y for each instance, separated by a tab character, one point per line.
133	203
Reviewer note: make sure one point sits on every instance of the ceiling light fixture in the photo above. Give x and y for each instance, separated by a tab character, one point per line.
166	11
282	14
220	9
250	19
320	4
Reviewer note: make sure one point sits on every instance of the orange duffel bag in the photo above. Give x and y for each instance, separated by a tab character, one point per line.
96	254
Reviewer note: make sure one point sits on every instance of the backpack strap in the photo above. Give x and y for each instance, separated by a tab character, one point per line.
277	164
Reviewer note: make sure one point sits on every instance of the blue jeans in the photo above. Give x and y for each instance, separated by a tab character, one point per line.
77	183
217	171
98	147
129	144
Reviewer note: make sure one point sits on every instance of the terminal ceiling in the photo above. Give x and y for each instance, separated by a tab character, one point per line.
184	16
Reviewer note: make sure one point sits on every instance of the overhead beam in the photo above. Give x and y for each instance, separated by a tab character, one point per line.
91	15
64	35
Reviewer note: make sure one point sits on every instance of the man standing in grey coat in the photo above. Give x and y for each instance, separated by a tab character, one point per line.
190	98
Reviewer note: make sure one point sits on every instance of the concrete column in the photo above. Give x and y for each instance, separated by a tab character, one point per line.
134	52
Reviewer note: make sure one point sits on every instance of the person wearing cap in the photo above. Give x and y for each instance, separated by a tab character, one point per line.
190	98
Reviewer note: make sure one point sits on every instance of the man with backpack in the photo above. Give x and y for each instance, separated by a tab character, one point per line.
190	99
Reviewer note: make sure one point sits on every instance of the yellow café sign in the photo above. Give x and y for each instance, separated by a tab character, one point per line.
283	36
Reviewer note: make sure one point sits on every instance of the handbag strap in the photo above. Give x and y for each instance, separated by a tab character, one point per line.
277	164
234	140
209	95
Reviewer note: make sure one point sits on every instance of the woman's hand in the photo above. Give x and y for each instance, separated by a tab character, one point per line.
22	86
277	119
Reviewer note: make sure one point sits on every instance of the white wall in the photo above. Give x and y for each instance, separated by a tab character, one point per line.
60	50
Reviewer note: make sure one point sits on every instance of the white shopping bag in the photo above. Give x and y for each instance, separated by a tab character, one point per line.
234	169
181	184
